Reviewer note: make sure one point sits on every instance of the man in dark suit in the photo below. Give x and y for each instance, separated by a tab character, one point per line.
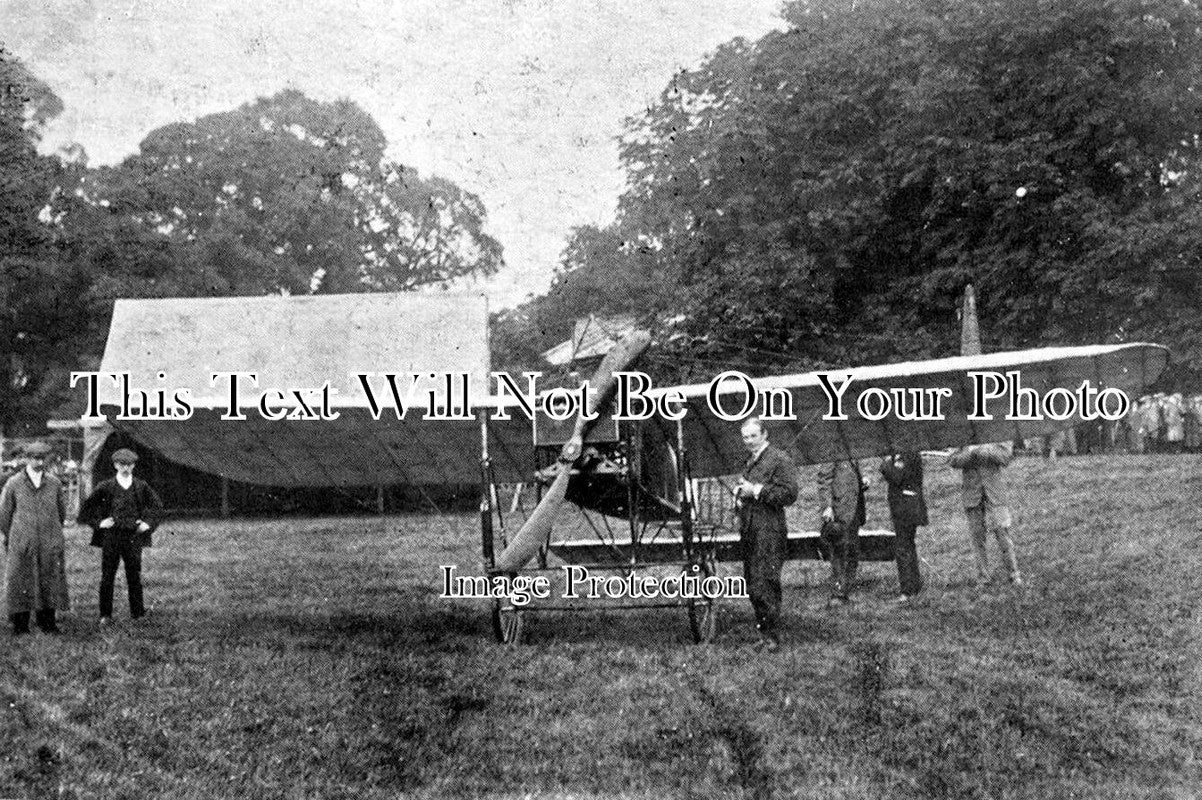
841	496
767	486
123	512
908	508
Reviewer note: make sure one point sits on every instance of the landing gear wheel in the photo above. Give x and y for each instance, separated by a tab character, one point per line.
703	612
508	623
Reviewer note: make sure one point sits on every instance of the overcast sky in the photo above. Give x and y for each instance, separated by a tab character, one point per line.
519	101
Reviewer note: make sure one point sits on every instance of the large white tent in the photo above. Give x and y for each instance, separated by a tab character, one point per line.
304	343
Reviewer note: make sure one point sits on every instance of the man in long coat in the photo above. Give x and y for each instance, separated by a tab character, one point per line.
908	508
32	510
841	497
767	486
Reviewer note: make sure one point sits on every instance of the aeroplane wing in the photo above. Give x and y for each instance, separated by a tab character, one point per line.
715	446
808	404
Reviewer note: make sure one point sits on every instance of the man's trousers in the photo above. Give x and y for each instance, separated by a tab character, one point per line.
998	518
117	549
842	540
763	558
906	554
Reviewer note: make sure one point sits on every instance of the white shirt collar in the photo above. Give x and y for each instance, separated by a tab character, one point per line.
35	477
759	451
125	483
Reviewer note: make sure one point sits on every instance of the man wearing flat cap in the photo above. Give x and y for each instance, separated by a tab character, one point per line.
32	509
123	512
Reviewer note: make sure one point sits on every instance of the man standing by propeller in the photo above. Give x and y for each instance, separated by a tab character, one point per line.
768	485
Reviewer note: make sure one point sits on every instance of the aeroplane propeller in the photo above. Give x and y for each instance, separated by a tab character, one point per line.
531	535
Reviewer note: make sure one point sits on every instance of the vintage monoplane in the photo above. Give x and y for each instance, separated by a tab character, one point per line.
659	478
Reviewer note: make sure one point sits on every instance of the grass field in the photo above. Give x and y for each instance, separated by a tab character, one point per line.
299	658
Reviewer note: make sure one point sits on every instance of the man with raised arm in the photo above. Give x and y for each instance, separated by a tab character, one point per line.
983	492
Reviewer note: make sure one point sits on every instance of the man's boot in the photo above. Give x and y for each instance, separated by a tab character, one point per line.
46	621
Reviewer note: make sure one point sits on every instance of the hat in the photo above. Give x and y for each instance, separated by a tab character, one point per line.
37	450
125	456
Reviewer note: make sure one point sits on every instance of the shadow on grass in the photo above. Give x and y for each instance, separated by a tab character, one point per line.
412	626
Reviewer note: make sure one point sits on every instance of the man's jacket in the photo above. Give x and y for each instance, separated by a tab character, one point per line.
776	471
982	467
903	474
841	489
99	505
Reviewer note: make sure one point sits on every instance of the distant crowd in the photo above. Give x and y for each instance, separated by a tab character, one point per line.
1157	423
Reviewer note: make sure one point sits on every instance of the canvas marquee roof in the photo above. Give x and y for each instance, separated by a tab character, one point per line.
295	341
298	342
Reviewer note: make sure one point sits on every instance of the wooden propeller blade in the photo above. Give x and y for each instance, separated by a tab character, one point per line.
531	535
604	385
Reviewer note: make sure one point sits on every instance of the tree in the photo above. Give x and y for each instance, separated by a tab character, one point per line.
40	293
26	104
825	193
287	194
601	272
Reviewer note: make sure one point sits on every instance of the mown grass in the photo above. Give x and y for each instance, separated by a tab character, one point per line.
312	658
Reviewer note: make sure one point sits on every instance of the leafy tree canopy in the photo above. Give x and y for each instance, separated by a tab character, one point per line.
40	295
288	194
825	193
285	194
